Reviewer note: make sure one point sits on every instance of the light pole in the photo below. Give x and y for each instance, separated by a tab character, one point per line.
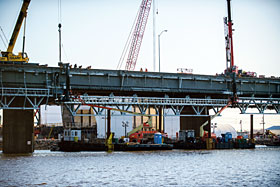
159	49
125	124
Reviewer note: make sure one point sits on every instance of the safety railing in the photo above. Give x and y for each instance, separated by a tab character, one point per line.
36	92
118	100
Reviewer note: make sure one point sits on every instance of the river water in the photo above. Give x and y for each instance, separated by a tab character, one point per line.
258	167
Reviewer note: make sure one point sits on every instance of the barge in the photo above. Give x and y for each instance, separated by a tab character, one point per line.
148	140
81	146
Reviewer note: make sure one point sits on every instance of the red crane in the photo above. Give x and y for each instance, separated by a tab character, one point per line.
138	34
230	67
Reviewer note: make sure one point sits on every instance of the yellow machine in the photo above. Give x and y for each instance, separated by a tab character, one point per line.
109	142
8	56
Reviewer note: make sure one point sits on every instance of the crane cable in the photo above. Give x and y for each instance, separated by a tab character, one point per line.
5	42
59	14
59	20
128	42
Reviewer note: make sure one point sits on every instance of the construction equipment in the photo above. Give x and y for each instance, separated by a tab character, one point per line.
140	127
139	131
142	133
246	73
109	142
8	57
230	67
202	132
135	40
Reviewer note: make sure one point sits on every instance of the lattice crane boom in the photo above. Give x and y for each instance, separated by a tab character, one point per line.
230	67
138	34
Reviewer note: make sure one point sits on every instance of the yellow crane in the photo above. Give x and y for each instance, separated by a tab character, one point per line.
8	57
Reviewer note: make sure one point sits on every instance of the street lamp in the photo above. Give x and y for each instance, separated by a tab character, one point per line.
159	49
125	124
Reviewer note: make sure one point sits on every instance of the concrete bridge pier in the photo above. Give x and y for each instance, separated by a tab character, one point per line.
18	131
67	118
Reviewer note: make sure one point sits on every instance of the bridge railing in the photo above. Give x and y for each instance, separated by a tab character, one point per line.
36	92
118	100
78	125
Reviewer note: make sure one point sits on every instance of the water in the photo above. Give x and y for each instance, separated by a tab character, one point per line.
258	167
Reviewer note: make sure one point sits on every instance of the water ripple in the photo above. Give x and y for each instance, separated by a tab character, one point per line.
260	166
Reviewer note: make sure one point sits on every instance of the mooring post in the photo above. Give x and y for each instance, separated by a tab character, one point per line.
160	119
209	126
252	127
108	123
134	117
209	143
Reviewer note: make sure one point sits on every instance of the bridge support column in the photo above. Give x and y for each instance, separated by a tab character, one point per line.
193	122
67	118
18	131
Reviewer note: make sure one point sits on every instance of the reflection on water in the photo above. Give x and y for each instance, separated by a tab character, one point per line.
260	166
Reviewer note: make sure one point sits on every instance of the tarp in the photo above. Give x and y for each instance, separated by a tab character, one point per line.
274	128
224	128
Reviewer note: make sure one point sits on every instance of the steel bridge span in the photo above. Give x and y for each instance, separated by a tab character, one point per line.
25	88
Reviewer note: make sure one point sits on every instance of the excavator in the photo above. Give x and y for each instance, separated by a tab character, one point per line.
7	57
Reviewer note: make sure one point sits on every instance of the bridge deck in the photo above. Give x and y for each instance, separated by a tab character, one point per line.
151	84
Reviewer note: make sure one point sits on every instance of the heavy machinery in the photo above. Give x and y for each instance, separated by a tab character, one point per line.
246	73
7	57
135	40
139	134
143	133
230	67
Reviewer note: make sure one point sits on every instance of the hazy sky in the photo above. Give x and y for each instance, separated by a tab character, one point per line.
94	33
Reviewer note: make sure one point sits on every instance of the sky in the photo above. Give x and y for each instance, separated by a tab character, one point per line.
94	33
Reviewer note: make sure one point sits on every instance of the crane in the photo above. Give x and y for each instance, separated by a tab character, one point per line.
230	67
8	56
138	34
135	40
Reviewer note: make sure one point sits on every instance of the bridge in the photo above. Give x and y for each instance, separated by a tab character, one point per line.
25	87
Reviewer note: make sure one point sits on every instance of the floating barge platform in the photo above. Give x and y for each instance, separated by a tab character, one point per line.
68	146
